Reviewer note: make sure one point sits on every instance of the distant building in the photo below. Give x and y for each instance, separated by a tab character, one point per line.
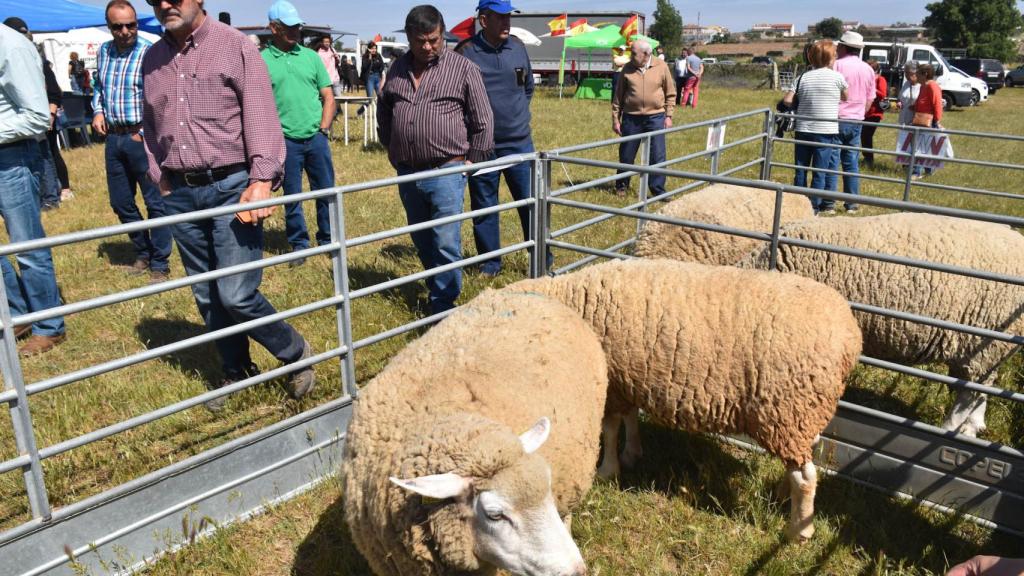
851	25
784	30
697	34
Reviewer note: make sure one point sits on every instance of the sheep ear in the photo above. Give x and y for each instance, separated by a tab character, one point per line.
535	437
438	486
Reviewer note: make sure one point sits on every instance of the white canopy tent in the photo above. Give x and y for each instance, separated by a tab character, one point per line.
57	47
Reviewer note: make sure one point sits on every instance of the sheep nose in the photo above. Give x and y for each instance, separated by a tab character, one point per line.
579	570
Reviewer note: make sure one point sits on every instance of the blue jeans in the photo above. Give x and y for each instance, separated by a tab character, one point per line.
483	193
849	135
49	186
372	85
126	169
637	124
815	157
35	288
314	156
428	200
221	242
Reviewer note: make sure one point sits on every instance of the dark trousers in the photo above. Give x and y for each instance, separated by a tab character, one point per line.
126	171
867	138
58	160
637	124
218	243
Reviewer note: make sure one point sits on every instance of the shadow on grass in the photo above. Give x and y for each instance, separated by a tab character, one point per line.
367	274
202	360
117	252
328	549
884	531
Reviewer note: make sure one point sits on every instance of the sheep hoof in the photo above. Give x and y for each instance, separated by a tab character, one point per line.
629	458
607	472
797	535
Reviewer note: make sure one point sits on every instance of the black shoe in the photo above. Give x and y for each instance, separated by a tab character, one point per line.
49	206
217	404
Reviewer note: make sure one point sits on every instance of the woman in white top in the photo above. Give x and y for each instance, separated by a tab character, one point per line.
818	93
909	91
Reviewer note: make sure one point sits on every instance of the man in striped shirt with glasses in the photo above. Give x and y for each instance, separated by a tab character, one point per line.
117	113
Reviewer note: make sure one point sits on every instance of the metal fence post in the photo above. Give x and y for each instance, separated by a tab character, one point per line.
910	167
769	146
645	160
716	157
21	418
343	313
541	221
773	257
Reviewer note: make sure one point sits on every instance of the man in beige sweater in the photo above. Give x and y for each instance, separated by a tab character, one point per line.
643	101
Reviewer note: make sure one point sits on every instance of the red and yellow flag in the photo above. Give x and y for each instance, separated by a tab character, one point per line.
558	25
630	28
578	27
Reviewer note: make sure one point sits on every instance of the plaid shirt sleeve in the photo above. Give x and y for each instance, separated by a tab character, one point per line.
261	127
97	85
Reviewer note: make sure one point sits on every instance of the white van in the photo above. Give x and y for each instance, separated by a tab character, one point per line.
957	89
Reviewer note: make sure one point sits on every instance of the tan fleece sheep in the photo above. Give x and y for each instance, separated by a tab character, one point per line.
954	241
721	350
448	403
740	207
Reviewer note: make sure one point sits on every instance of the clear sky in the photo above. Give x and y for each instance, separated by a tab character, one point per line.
368	17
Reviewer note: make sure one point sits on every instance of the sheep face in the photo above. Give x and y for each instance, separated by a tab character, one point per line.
510	517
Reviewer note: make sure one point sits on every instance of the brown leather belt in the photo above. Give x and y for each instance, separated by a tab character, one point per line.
435	164
129	129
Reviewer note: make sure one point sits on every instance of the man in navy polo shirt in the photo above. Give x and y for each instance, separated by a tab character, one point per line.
508	78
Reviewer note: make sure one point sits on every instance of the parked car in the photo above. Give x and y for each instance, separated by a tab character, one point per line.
726	62
991	71
957	88
709	60
762	60
1015	77
979	88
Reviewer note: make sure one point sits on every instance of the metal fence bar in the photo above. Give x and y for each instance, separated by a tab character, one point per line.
462	216
63	558
769	145
943	379
891	126
645	182
343	313
21	417
938	323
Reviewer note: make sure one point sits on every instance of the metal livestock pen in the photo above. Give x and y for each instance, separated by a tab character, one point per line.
127	524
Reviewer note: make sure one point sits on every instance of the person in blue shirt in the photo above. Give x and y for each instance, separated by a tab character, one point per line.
508	78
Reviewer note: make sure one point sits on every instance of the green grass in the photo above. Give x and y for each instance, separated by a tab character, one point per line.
703	508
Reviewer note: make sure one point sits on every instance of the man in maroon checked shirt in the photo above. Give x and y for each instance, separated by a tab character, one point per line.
205	153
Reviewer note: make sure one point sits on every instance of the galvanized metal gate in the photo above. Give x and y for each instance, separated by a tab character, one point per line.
119	529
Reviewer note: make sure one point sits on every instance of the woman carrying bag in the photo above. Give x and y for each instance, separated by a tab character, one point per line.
928	107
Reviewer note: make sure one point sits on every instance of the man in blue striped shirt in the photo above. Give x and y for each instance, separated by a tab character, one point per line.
117	106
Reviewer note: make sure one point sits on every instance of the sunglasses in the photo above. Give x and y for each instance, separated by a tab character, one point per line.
155	3
126	26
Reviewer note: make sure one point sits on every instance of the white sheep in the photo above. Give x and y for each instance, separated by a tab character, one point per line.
740	207
436	482
720	350
952	297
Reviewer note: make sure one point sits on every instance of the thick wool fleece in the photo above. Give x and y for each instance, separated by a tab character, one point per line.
740	207
718	349
455	400
965	243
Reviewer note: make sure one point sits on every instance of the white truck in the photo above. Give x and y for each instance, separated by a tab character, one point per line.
957	88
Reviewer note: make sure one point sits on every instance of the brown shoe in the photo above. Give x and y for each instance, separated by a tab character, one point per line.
38	344
158	276
22	331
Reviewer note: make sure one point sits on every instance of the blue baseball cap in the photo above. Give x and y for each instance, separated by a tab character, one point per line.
496	6
285	13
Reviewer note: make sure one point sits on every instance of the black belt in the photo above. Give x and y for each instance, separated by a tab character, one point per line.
433	164
210	175
16	143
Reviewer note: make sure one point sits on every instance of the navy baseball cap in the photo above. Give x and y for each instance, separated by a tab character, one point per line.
496	6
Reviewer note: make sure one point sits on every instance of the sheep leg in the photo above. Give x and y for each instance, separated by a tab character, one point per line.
803	482
633	450
967	414
610	425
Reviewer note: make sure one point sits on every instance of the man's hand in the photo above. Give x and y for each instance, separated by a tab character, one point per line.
257	190
164	185
617	128
989	566
99	124
668	121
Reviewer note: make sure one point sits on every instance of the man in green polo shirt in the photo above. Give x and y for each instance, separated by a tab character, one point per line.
305	103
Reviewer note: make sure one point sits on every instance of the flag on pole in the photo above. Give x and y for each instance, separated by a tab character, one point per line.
378	38
558	25
630	28
577	27
465	29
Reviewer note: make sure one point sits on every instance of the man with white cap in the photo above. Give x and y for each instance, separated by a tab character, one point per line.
861	81
305	105
508	78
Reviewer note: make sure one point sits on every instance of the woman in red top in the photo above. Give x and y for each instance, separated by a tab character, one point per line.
929	101
874	113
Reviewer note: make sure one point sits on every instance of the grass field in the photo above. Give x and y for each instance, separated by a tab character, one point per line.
702	508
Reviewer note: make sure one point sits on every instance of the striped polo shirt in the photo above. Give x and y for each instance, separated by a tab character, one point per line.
818	92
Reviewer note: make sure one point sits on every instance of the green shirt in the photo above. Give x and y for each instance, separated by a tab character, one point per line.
297	77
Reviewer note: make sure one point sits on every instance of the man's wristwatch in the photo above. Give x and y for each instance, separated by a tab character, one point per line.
324	131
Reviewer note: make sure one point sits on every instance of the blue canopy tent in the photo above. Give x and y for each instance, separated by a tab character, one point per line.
61	15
